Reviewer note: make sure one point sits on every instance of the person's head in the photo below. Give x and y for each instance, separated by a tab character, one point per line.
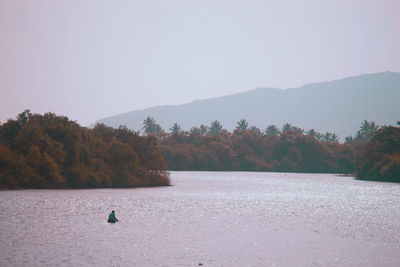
112	211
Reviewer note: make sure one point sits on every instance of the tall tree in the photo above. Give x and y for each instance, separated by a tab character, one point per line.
242	125
175	129
286	127
272	130
24	117
150	126
203	129
195	131
312	133
215	128
330	137
319	136
348	139
366	131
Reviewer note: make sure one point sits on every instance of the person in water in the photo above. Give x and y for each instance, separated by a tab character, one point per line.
112	218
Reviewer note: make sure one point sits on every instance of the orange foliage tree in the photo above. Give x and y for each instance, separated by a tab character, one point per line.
50	151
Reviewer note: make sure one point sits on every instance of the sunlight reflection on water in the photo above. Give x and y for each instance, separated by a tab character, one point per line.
213	218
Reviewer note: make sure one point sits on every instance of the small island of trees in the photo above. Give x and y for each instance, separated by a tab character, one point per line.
50	151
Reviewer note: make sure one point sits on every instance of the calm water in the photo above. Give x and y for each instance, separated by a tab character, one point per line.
212	218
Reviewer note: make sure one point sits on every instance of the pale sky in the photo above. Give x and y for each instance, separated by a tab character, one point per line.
93	59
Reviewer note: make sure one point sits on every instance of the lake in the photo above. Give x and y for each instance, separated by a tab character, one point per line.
209	219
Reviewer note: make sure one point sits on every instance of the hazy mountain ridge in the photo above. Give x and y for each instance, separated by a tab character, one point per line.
338	106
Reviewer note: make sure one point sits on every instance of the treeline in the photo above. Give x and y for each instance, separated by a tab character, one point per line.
50	151
290	149
373	153
248	151
380	157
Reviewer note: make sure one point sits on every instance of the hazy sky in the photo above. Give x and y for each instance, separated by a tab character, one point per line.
93	59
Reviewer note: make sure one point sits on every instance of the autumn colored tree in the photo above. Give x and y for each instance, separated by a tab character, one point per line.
380	157
50	151
255	130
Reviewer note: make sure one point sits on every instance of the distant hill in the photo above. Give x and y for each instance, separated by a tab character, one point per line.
337	106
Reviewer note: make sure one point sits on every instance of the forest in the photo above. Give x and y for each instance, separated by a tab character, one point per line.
372	153
50	151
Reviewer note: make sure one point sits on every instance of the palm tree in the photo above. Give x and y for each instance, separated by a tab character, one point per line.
330	137
242	125
334	138
297	130
286	127
311	132
215	128
366	131
348	139
158	129
319	136
327	137
195	131
150	126
203	129
175	129
272	130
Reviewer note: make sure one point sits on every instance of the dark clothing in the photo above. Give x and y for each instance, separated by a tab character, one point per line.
112	218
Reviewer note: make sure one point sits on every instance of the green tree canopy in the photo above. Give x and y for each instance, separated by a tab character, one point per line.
366	131
242	125
215	128
195	131
272	130
175	129
203	129
150	126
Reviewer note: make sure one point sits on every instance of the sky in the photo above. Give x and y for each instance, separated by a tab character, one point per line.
90	59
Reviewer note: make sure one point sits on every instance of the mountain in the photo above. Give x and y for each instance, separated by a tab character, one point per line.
337	106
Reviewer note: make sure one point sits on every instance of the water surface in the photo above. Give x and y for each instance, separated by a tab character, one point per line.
212	218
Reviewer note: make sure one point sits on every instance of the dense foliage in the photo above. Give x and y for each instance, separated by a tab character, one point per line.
251	150
49	151
380	157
